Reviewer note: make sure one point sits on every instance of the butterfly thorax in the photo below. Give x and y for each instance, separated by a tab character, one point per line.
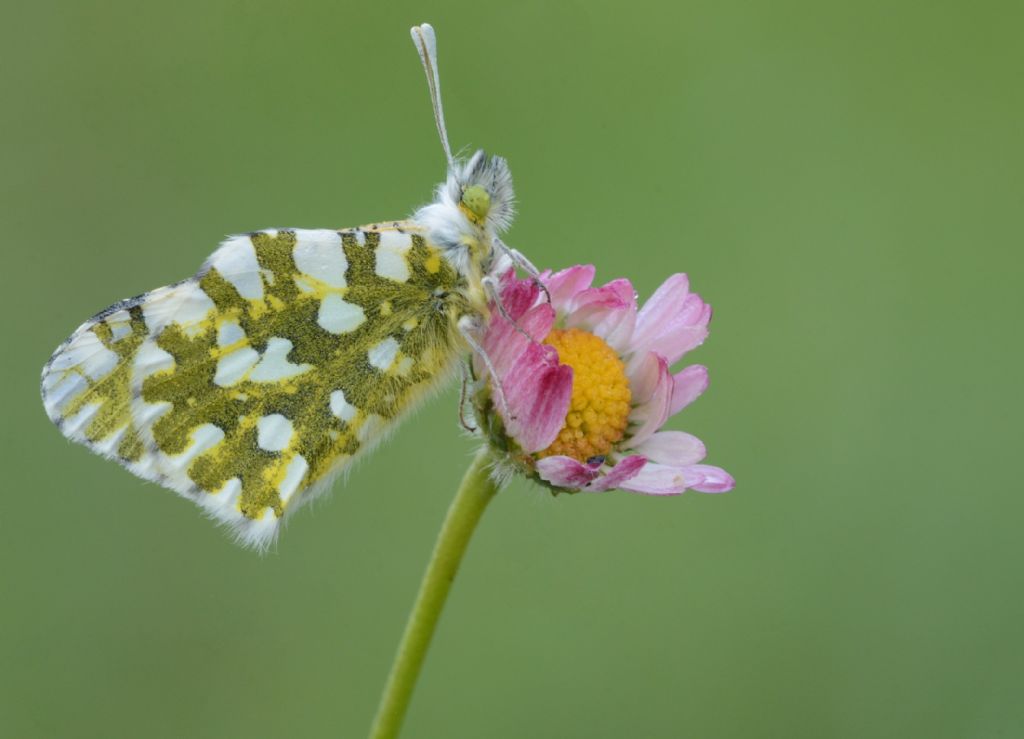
470	209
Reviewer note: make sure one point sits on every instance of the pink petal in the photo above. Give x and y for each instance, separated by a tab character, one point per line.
676	448
652	396
504	343
566	472
643	379
688	331
517	296
661	307
716	480
616	292
616	326
537	321
624	289
626	469
595	305
660	479
673	321
610	294
688	384
501	341
564	285
538	390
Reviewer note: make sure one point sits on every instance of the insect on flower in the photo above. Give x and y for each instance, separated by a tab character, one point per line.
248	386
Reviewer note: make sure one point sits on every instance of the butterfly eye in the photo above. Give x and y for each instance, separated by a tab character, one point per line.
476	202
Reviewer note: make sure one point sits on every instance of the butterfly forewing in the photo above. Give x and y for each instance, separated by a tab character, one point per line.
245	387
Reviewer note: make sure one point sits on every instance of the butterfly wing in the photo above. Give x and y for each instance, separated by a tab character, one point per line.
247	386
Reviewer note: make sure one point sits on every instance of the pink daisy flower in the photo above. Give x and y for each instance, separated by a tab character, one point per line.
586	385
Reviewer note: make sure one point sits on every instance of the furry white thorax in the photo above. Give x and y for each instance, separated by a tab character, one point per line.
447	224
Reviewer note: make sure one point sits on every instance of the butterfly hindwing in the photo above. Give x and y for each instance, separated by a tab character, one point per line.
245	387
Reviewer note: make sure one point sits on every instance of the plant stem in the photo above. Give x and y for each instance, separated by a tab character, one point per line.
474	494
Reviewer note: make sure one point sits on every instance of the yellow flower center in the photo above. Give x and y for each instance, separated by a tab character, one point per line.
599	409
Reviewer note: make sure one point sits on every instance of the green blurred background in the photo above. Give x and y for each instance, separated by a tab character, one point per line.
842	181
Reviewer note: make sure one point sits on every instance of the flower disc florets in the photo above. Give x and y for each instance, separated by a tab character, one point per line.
599	407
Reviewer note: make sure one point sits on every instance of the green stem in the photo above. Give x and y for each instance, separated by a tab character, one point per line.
474	494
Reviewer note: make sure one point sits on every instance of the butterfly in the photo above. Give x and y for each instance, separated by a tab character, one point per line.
247	387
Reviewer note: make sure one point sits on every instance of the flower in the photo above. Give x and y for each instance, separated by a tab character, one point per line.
577	384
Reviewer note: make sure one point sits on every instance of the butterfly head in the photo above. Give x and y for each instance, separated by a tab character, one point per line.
481	188
472	206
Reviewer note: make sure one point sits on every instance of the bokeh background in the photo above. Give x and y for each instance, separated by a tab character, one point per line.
842	181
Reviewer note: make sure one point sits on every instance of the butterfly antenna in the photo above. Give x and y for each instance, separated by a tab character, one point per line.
426	44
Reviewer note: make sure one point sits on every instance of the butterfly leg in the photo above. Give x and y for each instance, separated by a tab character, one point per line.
520	260
469	327
467	379
493	290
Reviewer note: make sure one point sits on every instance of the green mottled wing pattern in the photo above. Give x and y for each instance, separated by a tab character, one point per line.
246	387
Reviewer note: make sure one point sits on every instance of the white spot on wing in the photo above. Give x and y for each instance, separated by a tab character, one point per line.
120	325
99	364
150	359
382	355
195	306
275	365
233	367
86	354
228	333
338	316
108	446
274	432
74	424
119	330
185	304
59	390
203	438
341	407
318	253
222	503
236	262
292	478
391	255
144	413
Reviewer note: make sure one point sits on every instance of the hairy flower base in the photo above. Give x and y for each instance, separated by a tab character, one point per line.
599	408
